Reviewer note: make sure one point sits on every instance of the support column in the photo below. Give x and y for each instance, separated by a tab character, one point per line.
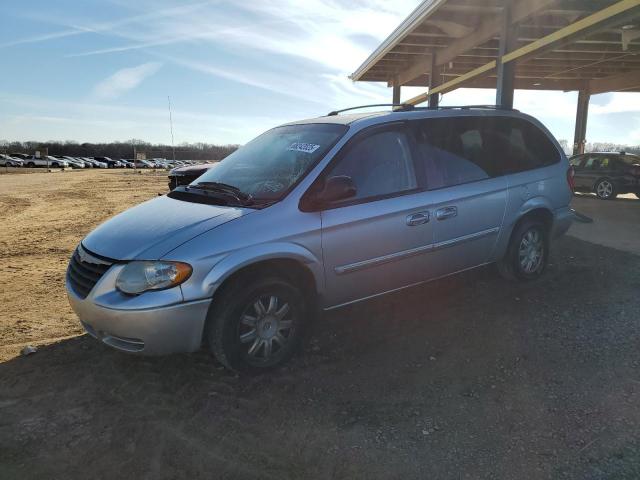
396	94
434	81
506	71
582	114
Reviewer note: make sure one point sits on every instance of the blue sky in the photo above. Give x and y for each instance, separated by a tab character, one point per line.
90	70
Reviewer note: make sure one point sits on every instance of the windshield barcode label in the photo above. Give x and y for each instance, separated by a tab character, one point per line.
303	147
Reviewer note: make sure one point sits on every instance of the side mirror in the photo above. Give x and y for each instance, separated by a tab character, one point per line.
334	189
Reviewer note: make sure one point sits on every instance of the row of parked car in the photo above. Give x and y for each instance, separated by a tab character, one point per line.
62	161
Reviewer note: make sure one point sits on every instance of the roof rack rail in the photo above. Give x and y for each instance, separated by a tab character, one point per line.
479	107
398	107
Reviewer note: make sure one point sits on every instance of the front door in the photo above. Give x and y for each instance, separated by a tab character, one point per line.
378	240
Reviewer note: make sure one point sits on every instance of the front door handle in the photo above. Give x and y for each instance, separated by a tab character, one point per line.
417	218
446	212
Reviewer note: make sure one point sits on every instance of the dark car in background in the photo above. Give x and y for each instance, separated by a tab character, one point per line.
607	174
187	174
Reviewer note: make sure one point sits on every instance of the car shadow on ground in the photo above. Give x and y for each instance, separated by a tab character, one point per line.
467	377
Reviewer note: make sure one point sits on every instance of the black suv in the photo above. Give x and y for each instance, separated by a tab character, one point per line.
607	174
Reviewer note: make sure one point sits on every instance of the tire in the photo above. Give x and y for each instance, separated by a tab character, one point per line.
55	165
521	262
605	189
31	165
239	331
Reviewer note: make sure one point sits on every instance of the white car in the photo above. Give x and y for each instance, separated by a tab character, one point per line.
49	162
94	162
57	162
8	161
73	163
78	161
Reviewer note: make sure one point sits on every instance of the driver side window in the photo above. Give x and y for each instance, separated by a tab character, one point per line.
379	164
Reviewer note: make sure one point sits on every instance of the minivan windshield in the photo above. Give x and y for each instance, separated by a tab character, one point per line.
267	167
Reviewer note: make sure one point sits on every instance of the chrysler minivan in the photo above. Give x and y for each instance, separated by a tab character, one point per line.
318	214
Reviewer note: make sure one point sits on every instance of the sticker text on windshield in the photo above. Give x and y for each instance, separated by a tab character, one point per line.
304	147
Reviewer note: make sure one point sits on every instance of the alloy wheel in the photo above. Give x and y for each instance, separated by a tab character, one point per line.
604	189
531	251
265	328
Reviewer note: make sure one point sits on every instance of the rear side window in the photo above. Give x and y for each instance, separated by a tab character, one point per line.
451	151
592	163
454	151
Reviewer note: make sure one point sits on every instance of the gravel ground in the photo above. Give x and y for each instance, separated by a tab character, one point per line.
468	377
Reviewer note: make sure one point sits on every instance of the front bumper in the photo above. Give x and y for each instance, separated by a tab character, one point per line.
149	330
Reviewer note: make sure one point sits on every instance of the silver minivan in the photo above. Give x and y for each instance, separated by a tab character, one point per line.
318	214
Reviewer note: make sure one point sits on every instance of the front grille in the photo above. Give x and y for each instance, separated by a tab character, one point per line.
85	269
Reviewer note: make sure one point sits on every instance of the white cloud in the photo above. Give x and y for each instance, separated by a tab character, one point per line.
255	54
124	80
45	119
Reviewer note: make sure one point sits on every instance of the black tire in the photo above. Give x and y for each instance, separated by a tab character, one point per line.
605	189
31	165
511	266
55	165
230	318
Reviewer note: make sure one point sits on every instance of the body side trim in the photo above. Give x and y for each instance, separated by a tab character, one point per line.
373	262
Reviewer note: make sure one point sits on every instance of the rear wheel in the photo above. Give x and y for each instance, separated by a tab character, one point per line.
31	165
605	190
528	252
258	325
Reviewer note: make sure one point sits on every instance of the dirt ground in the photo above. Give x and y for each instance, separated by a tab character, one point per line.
43	217
470	377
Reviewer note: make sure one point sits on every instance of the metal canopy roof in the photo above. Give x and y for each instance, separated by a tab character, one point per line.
591	45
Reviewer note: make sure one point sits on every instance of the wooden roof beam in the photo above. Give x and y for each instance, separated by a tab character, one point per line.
615	83
486	31
574	31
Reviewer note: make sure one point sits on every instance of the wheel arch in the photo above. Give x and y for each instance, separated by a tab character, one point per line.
614	182
537	207
288	267
290	261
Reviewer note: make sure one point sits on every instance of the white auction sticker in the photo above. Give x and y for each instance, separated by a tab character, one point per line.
304	147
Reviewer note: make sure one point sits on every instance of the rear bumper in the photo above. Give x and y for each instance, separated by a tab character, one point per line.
149	331
562	220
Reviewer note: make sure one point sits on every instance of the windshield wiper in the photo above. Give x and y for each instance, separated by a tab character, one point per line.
230	190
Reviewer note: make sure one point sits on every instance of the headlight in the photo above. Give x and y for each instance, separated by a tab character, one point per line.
138	277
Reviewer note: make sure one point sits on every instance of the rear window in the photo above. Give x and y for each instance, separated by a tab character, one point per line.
454	151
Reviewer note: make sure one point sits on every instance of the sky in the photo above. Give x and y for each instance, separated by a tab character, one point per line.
102	70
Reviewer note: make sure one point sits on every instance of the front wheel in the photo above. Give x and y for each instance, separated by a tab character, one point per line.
605	190
256	326
528	252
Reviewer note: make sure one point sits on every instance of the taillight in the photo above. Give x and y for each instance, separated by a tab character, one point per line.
570	180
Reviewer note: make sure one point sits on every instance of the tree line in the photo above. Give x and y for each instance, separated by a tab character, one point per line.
198	151
117	150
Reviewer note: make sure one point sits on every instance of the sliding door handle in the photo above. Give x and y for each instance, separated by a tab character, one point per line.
446	212
417	218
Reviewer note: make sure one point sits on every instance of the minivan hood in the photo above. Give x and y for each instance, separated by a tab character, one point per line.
154	228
